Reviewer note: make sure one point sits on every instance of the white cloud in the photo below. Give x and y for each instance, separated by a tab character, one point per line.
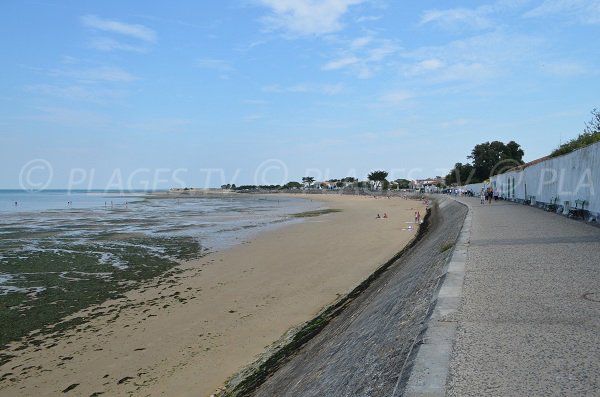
255	102
431	64
396	97
476	58
340	63
378	53
69	117
471	71
564	69
106	74
585	11
362	57
457	16
369	18
136	31
163	125
326	89
107	44
361	42
307	17
77	92
221	66
481	17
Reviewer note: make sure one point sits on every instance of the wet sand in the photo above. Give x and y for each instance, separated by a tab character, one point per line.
186	333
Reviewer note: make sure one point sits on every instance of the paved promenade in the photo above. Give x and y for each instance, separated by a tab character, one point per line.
527	318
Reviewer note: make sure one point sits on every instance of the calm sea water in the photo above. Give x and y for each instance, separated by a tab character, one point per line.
20	200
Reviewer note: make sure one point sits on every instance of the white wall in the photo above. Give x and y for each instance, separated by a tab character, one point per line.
573	176
475	187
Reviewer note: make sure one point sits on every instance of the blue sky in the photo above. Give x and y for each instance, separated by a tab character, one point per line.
99	94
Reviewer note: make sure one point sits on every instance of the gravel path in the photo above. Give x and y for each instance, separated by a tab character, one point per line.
364	350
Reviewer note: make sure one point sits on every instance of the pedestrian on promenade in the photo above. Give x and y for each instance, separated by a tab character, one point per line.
482	196
490	195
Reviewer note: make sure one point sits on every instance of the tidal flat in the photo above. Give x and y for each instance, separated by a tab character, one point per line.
54	263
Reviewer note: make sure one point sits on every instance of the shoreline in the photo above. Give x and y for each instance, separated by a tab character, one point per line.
213	316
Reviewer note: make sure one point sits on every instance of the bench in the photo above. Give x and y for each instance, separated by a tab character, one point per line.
578	211
529	200
553	205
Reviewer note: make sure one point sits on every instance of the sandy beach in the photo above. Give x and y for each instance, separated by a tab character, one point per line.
186	333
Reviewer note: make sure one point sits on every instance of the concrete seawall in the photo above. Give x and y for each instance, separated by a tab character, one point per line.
366	348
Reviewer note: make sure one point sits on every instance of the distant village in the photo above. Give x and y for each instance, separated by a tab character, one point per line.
428	185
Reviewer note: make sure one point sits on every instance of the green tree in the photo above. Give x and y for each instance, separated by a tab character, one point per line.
308	180
292	185
461	174
377	177
403	183
492	158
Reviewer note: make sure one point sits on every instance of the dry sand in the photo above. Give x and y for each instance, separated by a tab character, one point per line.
185	334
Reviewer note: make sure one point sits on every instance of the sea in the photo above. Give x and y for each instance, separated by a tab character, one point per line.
61	251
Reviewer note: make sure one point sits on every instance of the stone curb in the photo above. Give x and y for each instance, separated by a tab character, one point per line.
430	368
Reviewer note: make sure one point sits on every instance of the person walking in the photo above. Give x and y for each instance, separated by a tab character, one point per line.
482	196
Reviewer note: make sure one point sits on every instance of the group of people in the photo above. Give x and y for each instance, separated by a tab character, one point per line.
487	195
417	216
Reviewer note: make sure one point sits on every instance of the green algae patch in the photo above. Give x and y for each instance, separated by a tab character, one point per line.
57	278
445	247
310	214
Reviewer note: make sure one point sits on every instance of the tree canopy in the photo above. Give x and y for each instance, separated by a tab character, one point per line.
293	185
377	177
492	158
488	159
402	183
590	134
461	174
308	180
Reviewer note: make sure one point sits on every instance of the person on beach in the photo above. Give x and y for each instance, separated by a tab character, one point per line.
385	215
377	217
419	217
415	216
